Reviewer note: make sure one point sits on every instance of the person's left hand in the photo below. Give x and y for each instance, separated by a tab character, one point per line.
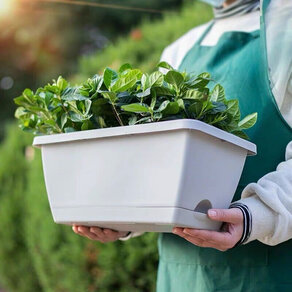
227	238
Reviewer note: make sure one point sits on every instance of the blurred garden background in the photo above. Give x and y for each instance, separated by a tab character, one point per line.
40	40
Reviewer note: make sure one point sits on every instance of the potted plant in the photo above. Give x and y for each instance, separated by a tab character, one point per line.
137	152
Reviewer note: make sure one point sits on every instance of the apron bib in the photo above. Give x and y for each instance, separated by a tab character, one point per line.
239	63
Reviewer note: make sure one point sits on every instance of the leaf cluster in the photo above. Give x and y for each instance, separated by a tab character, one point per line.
129	97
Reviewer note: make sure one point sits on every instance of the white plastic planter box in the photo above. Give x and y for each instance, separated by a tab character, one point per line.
148	177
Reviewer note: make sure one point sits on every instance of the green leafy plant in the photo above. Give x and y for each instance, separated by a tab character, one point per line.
129	97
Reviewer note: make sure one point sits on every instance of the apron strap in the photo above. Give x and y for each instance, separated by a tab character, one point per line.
201	38
264	6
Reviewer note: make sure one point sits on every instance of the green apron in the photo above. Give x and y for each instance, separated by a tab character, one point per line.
239	63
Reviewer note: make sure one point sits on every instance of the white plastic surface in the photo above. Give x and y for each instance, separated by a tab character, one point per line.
142	178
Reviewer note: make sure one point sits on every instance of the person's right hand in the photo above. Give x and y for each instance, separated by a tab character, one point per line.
99	234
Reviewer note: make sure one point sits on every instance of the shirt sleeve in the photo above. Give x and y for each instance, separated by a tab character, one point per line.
270	203
279	48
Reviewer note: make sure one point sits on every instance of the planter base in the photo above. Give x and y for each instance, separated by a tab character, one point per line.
147	219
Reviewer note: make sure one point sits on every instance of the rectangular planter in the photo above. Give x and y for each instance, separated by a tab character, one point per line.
148	177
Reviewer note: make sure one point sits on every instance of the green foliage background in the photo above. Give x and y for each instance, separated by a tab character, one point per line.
144	50
38	255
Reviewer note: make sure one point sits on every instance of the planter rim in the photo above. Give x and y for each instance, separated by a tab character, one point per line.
180	124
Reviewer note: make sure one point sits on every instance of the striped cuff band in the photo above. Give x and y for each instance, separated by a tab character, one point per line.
247	222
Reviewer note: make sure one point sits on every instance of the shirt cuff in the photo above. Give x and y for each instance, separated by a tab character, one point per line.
262	219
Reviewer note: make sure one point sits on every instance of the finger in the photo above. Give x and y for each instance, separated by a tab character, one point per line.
105	234
233	215
178	231
195	241
111	233
198	241
97	231
205	244
214	237
85	231
75	229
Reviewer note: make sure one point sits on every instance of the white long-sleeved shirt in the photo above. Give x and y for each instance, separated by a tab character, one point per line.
269	199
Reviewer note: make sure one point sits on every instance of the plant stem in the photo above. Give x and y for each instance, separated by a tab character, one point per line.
117	115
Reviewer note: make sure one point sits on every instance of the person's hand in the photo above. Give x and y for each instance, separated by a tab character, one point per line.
99	234
227	238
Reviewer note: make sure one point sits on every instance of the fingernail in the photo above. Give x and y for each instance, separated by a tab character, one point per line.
174	230
212	213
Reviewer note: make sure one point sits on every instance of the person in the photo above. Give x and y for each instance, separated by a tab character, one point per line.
247	48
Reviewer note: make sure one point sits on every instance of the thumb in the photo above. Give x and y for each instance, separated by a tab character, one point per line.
233	215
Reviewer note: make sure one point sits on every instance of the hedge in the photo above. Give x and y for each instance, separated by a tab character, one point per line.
16	269
144	45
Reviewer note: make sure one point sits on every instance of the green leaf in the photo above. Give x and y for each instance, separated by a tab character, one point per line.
207	106
217	94
218	107
70	94
126	81
50	122
48	97
172	108
61	83
125	67
136	108
181	103
164	65
29	96
240	134
101	122
20	100
69	130
109	76
156	79
153	102
20	112
87	104
64	119
110	95
201	81
101	106
163	106
193	94
196	108
77	117
145	81
144	120
248	121
164	91
205	75
132	120
87	125
145	93
233	108
174	77
157	116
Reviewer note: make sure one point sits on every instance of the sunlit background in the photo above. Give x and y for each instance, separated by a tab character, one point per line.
40	40
5	7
